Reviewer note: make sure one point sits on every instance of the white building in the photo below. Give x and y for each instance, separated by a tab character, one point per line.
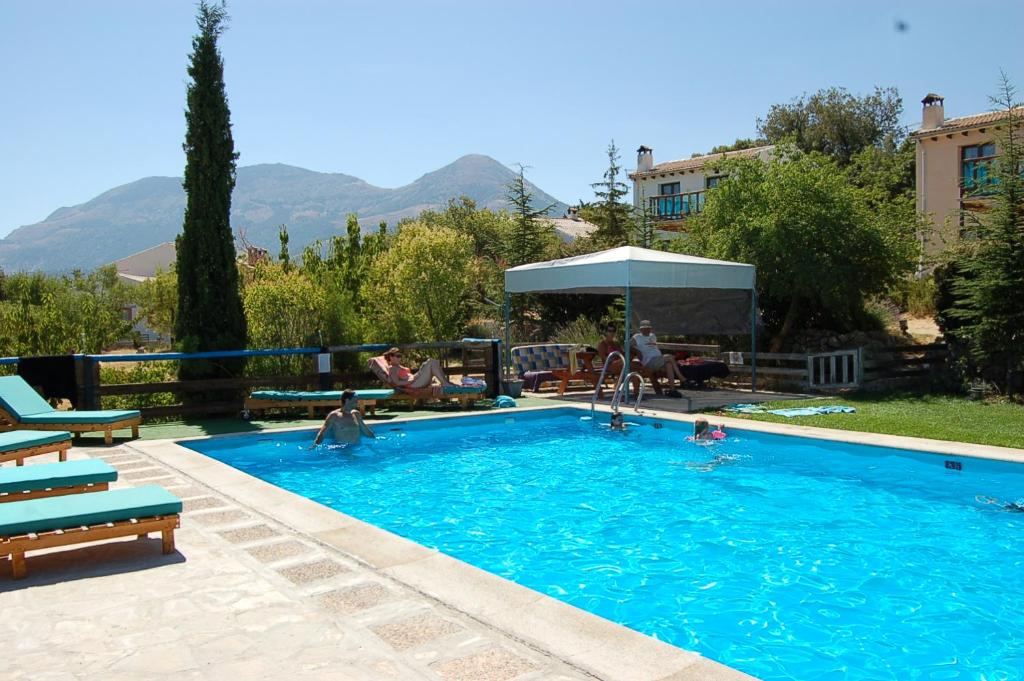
139	267
676	190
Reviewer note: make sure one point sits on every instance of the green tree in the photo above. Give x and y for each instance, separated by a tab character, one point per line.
210	314
820	248
836	123
989	265
611	214
423	285
740	144
285	309
644	232
530	237
157	299
283	256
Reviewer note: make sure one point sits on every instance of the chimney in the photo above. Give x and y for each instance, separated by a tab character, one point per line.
932	116
644	159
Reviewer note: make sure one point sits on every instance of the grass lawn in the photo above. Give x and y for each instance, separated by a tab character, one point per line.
940	417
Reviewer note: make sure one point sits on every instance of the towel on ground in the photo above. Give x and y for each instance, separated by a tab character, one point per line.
812	411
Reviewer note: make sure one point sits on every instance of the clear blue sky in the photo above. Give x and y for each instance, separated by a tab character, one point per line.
95	91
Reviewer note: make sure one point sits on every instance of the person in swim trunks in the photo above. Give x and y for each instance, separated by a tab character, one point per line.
346	425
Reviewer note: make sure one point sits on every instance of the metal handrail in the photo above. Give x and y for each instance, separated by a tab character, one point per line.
622	388
600	381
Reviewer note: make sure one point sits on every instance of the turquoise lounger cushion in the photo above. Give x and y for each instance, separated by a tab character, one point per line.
108	416
23	439
59	513
462	390
49	475
318	395
19	399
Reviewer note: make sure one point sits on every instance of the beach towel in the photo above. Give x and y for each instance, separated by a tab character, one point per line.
812	411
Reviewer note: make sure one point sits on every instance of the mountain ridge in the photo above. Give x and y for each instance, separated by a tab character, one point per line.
137	215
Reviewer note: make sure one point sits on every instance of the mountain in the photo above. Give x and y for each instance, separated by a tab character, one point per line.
144	213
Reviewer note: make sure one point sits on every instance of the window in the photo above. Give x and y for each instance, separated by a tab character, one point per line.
669	188
712	182
976	166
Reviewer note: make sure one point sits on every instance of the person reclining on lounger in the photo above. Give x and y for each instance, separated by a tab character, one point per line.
403	377
346	424
654	361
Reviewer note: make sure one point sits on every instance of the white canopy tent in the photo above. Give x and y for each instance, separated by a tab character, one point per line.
664	280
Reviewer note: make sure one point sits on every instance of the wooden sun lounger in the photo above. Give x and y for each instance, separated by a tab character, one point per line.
55	479
67	520
312	400
17	445
22	408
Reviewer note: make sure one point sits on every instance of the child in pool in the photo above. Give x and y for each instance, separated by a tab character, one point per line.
702	432
618	421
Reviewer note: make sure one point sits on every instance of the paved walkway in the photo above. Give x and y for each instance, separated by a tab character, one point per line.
244	597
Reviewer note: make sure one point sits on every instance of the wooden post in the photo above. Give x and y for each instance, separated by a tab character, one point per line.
492	364
168	540
17	565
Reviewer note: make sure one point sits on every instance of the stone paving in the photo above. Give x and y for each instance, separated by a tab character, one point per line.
244	597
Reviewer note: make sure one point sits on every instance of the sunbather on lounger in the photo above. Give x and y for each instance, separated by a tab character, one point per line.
403	377
346	424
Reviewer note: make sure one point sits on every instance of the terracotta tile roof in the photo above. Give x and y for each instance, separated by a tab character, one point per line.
700	161
966	123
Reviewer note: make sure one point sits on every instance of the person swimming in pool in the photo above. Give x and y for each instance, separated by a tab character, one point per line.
346	425
618	421
1011	506
702	432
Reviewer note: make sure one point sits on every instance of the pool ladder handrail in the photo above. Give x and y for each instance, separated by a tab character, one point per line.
622	388
600	381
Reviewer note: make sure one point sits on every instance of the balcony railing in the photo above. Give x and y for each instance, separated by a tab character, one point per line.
676	206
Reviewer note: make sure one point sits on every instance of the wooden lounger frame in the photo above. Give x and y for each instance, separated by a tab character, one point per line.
421	395
54	491
19	455
256	404
108	429
17	545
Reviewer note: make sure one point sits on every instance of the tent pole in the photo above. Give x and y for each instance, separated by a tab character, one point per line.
508	338
629	318
753	339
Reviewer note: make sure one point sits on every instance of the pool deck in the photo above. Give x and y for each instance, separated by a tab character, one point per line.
268	584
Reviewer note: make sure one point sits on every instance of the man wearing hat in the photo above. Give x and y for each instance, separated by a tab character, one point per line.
646	343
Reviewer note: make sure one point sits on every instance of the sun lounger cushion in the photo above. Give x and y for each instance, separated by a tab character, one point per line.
50	475
325	395
22	439
462	389
58	513
106	416
19	399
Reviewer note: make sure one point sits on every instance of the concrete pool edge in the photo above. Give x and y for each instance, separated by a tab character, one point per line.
583	640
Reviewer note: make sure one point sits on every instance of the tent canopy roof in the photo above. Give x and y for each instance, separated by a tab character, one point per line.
614	270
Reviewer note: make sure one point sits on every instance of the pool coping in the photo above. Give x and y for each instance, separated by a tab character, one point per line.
586	641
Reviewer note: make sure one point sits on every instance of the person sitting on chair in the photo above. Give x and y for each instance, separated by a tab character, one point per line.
403	377
345	424
646	343
607	346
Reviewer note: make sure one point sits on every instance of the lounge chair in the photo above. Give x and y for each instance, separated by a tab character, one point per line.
22	408
17	445
78	518
55	479
312	399
466	395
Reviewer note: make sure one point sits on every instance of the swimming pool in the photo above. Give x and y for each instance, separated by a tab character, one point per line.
783	557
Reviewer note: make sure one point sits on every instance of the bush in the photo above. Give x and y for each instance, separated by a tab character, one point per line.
143	372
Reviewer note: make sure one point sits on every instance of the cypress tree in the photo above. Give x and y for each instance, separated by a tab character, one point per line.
283	255
210	313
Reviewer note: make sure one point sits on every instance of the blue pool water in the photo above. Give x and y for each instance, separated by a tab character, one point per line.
788	558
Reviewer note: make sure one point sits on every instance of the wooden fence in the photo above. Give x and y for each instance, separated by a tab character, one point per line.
467	357
877	367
